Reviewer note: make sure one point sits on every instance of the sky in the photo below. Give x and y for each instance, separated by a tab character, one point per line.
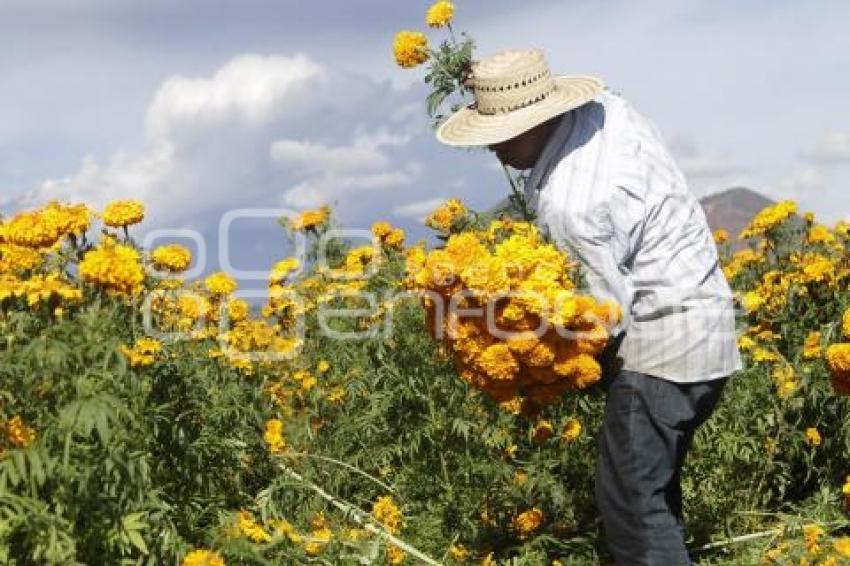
204	108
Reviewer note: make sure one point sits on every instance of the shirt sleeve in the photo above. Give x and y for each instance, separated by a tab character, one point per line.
603	251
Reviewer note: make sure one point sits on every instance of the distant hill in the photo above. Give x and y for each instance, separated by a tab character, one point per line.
730	210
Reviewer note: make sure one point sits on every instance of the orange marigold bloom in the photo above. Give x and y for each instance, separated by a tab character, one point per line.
527	522
410	48
120	213
440	14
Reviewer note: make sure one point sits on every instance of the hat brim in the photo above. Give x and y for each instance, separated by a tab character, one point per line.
467	127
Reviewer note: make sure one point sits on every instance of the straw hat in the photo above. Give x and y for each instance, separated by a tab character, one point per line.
514	91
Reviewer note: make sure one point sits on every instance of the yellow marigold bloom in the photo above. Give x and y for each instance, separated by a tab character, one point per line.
813	436
396	555
842	546
740	260
488	560
527	522
282	269
812	534
498	362
18	258
410	48
285	528
43	288
238	310
386	512
572	430
114	267
143	353
201	557
753	301
173	257
820	234
120	213
18	433
845	323
440	14
381	229
838	360
388	237
721	236
323	366
542	431
459	552
310	219
336	395
764	355
769	218
318	540
811	347
220	283
785	379
274	436
250	528
35	229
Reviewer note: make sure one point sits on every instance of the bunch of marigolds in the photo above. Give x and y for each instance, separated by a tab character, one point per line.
505	305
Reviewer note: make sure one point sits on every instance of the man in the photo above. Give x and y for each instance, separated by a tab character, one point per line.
605	188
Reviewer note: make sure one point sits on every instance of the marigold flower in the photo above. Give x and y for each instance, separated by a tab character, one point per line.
769	218
395	555
220	283
248	526
319	538
14	259
527	522
201	557
812	534
440	14
121	213
444	216
721	236
114	267
845	324
842	546
811	347
838	361
18	433
143	352
323	366
173	258
813	436
542	431
410	48
572	430
459	552
310	219
386	512
820	234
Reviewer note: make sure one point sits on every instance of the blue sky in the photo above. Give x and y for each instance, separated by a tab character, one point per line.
199	107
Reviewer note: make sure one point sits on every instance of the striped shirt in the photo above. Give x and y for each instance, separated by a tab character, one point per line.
606	190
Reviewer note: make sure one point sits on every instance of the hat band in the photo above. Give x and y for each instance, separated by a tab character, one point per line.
507	109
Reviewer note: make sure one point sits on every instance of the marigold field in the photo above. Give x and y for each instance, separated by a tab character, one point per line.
148	419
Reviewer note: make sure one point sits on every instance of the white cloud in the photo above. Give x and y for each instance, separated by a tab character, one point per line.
248	89
330	187
419	209
310	157
698	165
833	148
259	131
801	183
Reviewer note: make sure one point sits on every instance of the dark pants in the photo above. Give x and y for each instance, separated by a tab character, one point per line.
646	432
